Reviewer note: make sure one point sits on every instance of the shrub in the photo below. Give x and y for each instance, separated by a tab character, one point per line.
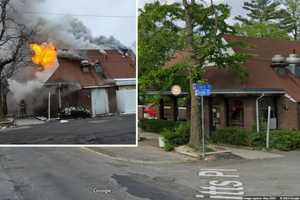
157	125
179	136
285	140
235	136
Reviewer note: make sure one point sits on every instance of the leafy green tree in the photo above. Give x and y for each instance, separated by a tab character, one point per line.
291	22
262	30
158	35
197	29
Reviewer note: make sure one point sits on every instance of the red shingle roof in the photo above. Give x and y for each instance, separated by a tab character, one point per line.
261	74
113	63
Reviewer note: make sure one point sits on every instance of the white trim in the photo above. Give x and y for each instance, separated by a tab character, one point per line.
290	98
98	86
125	81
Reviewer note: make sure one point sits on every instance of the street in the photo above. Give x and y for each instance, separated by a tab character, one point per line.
77	174
102	130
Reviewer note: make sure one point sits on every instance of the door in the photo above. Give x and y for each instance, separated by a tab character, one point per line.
99	102
126	100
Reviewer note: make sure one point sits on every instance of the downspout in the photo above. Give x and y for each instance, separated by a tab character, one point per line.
257	112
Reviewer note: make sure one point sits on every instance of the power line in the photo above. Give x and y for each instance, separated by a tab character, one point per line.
79	15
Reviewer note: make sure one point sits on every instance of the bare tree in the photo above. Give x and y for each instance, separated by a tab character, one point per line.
13	38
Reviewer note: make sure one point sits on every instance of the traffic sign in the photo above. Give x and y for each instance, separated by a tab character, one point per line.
202	89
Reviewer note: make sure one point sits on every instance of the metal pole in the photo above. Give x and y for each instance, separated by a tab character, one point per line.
59	97
202	126
268	127
257	112
49	104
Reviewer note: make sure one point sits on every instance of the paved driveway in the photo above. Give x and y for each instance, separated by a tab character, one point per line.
105	130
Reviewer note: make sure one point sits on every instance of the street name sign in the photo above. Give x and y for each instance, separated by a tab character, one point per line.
202	89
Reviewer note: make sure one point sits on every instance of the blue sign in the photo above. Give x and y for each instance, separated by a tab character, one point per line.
202	89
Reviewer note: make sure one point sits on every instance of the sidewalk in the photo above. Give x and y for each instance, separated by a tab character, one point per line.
250	154
28	121
147	152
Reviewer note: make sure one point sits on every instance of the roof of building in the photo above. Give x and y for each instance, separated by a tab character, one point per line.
114	63
261	75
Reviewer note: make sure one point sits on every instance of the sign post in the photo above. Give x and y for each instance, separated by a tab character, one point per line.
268	128
202	90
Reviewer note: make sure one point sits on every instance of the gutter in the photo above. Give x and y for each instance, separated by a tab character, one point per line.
257	112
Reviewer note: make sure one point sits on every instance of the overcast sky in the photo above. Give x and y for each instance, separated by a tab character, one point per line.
122	28
236	5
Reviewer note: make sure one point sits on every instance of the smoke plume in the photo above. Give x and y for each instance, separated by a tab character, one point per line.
65	32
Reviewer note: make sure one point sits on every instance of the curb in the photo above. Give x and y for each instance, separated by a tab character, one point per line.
134	160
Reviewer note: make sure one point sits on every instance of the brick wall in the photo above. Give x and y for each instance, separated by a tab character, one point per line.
288	111
249	112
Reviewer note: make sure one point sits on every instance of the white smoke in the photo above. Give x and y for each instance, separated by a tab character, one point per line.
65	32
21	89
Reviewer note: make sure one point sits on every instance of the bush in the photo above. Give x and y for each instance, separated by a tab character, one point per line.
176	138
285	140
235	136
157	125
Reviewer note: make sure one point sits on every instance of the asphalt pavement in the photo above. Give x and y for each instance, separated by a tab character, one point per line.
102	130
77	174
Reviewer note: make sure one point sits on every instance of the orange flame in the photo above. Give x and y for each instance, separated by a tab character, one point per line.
44	54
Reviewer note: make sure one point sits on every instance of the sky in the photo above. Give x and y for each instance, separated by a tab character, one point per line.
122	28
236	6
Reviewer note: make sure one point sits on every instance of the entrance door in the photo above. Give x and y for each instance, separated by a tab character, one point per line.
99	102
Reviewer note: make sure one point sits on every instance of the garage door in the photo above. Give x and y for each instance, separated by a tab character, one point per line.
126	100
99	102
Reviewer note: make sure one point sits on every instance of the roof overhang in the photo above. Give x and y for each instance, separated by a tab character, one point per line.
228	92
249	91
125	81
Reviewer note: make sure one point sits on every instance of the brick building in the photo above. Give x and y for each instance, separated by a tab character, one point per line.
101	82
105	81
239	104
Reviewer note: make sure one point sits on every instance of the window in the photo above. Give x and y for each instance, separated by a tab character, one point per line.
98	68
236	113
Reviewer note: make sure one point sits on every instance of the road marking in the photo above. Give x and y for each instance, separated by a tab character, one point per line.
221	189
215	173
224	170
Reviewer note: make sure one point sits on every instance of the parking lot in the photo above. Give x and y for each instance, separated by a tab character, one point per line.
102	130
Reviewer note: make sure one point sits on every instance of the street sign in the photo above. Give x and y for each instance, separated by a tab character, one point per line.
202	89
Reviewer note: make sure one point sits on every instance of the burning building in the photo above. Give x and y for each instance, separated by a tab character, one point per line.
97	81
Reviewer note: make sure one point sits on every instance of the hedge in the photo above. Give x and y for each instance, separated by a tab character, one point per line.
157	125
285	140
235	136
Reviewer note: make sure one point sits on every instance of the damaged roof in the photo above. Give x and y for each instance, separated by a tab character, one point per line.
114	63
261	74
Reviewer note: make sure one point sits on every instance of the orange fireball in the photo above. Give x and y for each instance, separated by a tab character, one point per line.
44	54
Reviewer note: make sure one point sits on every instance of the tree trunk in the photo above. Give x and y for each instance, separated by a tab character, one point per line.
195	118
195	133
